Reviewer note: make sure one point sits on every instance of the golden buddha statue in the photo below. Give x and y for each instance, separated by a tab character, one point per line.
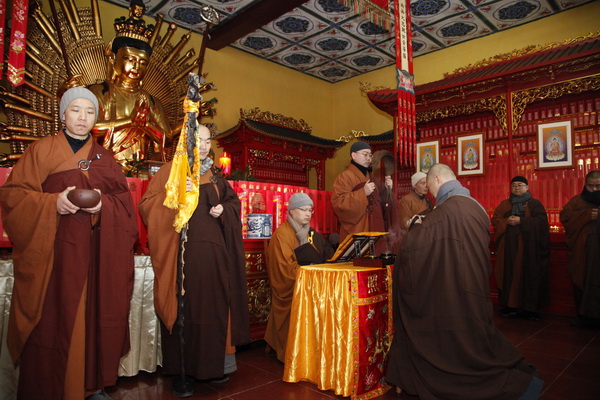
130	119
139	79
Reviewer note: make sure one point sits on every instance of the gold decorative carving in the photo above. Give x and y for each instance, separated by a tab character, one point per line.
259	300
586	62
266	116
259	153
255	263
366	87
520	53
353	135
496	104
579	68
372	284
464	91
287	157
529	76
312	162
520	99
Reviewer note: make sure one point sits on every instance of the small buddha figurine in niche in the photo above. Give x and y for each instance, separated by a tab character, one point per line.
258	204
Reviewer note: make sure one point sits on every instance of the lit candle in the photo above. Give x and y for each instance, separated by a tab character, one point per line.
225	164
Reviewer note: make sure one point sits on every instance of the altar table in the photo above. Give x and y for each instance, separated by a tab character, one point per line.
340	329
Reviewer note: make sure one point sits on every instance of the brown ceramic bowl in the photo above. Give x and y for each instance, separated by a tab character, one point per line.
84	198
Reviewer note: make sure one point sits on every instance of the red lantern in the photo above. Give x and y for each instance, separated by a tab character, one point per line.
225	164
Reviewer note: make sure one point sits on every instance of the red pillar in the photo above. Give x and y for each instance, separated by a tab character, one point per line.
405	134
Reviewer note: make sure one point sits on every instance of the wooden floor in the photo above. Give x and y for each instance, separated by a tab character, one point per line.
567	359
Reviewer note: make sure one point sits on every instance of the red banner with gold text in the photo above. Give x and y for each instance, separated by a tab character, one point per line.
18	42
2	31
406	128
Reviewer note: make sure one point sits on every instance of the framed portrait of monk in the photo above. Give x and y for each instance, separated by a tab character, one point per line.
555	145
470	156
428	153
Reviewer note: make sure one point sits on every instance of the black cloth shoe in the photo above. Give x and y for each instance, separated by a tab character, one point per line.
530	315
222	379
182	387
508	312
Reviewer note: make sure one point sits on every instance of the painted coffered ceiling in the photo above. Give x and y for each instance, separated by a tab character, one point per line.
331	42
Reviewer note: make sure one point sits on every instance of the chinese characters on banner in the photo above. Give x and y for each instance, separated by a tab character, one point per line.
406	126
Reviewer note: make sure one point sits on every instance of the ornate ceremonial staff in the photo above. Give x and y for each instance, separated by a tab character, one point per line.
177	197
187	164
211	17
193	98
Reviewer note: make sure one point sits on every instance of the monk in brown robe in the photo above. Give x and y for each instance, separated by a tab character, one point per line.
216	301
414	202
73	266
383	168
293	244
580	218
522	239
356	200
445	344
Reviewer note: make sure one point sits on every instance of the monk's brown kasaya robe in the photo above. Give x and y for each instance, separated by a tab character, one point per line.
284	258
60	260
522	256
410	205
445	344
583	239
214	275
355	211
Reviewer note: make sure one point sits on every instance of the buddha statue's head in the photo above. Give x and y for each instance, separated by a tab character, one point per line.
129	65
130	48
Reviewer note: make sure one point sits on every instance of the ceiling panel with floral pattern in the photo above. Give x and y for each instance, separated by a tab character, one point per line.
329	41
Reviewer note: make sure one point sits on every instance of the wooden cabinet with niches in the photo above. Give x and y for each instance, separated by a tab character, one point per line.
277	149
509	100
259	292
506	99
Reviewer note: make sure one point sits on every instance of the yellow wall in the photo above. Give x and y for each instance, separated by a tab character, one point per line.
554	29
333	110
353	111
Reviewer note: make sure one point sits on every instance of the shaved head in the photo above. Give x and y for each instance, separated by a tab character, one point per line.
437	176
443	171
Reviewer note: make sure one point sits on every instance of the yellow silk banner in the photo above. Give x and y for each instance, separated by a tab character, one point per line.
176	195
